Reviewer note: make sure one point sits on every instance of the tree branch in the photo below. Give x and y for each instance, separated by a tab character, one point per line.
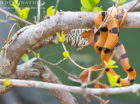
38	10
48	76
33	36
32	69
128	5
37	84
56	6
14	16
64	21
132	8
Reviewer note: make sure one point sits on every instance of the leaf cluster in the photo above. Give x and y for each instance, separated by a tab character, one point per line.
23	13
90	5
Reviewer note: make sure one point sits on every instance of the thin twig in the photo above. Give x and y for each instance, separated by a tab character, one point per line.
11	32
117	3
129	4
79	66
74	80
101	73
9	38
60	61
98	98
38	10
133	6
57	3
89	75
51	54
92	95
15	17
69	74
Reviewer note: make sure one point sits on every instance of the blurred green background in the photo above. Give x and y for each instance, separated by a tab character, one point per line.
129	37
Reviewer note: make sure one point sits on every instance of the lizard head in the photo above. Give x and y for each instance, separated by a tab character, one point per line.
89	36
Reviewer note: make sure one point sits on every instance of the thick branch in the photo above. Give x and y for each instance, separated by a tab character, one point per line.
37	84
23	71
48	76
63	21
26	70
32	69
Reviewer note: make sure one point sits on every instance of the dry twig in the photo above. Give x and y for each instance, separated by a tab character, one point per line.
133	6
38	10
79	66
57	3
15	17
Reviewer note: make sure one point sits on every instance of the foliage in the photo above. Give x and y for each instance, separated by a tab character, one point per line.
2	51
90	5
61	37
111	64
23	13
6	82
113	80
35	54
25	57
66	54
50	11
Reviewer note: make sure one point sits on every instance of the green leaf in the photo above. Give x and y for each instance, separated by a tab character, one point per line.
15	2
110	64
90	6
85	9
38	54
66	54
86	4
97	9
50	11
25	57
2	51
113	80
62	37
94	2
24	13
6	82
